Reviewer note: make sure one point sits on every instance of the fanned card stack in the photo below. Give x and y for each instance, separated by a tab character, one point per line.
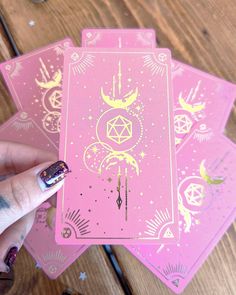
144	137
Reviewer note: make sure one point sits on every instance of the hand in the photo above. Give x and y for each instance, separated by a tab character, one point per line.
28	178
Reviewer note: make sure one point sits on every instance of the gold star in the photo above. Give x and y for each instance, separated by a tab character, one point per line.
138	108
142	155
95	149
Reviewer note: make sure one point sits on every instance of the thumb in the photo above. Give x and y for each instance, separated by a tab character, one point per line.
24	192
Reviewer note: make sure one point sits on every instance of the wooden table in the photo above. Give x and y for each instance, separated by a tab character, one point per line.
201	33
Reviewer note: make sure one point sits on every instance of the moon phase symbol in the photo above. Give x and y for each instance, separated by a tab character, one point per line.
115	158
56	81
51	122
191	108
51	211
92	163
206	177
127	100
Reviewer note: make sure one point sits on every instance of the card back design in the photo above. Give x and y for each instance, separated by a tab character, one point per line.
38	76
201	110
206	206
110	140
40	242
119	38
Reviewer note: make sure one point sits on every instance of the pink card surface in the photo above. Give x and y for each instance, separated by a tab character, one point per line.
202	106
40	243
207	206
199	98
35	82
117	128
201	102
119	38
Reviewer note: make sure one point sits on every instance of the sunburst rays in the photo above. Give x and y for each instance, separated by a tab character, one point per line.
23	124
175	269
54	256
156	67
203	134
155	224
84	62
16	70
75	220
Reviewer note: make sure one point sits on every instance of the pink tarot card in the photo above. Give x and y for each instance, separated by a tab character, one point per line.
117	136
53	259
119	38
200	102
35	82
197	116
207	206
40	242
200	99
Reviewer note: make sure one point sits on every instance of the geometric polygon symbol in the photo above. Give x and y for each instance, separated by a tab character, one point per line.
176	283
119	129
182	124
194	194
168	234
52	269
66	232
55	99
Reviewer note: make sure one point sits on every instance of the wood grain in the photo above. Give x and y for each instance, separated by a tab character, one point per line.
216	276
201	33
100	276
7	106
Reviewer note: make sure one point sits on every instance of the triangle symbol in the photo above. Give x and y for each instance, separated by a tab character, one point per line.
168	234
176	283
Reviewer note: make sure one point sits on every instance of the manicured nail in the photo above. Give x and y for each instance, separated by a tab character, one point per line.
4	268
11	257
54	173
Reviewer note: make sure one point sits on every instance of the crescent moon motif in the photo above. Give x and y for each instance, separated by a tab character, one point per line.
50	215
127	100
191	108
55	82
206	177
115	157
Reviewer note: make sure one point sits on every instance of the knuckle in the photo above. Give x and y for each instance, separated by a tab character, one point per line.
20	194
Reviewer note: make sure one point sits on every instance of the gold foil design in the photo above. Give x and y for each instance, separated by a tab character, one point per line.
206	177
48	82
157	223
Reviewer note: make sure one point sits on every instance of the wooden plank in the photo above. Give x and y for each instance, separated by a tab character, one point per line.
100	280
216	276
7	107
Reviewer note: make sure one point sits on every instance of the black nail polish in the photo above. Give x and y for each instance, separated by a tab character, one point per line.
11	257
54	173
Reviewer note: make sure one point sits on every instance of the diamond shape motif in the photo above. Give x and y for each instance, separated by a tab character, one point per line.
119	202
119	129
194	194
182	124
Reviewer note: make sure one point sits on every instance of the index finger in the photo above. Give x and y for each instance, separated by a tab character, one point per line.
16	158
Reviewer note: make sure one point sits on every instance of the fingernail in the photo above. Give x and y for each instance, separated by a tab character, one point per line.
54	173
11	257
4	267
